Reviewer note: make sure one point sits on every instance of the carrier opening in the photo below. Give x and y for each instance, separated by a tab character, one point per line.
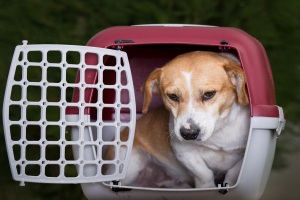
143	60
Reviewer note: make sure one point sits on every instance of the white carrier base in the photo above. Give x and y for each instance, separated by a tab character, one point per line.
250	185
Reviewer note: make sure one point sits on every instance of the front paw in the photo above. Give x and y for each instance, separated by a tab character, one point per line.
204	184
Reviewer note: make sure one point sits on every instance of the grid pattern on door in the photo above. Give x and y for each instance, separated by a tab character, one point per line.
59	157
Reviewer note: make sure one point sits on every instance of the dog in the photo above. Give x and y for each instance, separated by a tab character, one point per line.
198	137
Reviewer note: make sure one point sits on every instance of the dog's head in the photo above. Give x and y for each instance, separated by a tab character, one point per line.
198	88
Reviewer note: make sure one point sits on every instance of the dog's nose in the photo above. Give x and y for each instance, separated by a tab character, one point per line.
190	134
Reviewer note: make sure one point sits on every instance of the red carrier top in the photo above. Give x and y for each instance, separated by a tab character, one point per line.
167	39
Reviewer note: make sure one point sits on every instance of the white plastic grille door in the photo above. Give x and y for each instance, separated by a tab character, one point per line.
42	106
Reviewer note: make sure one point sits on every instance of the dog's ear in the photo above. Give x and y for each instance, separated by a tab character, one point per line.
150	85
238	78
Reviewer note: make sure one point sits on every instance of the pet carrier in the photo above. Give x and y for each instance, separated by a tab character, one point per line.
107	98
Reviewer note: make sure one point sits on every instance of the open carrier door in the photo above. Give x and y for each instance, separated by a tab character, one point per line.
87	146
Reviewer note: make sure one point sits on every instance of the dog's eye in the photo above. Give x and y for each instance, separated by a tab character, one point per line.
173	97
209	95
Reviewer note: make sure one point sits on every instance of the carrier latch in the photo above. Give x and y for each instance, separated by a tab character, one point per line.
118	189
281	122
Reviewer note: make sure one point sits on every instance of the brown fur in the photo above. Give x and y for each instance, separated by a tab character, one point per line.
219	79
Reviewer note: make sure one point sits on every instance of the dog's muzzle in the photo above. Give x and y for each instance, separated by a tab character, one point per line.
191	133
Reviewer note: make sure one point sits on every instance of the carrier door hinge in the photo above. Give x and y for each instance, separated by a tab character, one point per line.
281	122
223	188
224	48
118	189
120	47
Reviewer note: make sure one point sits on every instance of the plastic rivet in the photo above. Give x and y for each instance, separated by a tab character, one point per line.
25	42
224	42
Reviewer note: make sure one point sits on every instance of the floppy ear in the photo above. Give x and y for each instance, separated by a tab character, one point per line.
238	78
151	85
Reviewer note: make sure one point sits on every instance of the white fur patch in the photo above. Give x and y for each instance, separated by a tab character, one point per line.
188	78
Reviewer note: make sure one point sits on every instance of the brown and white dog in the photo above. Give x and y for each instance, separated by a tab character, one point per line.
199	136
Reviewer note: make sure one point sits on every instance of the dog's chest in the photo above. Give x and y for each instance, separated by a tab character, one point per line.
219	161
196	156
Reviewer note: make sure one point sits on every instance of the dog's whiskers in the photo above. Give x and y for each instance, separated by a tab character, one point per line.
171	134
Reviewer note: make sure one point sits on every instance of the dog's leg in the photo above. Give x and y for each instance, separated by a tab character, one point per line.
204	177
233	173
138	161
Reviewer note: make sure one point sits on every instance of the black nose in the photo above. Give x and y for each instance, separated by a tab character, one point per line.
190	134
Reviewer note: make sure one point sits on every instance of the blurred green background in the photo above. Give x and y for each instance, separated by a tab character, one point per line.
275	23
